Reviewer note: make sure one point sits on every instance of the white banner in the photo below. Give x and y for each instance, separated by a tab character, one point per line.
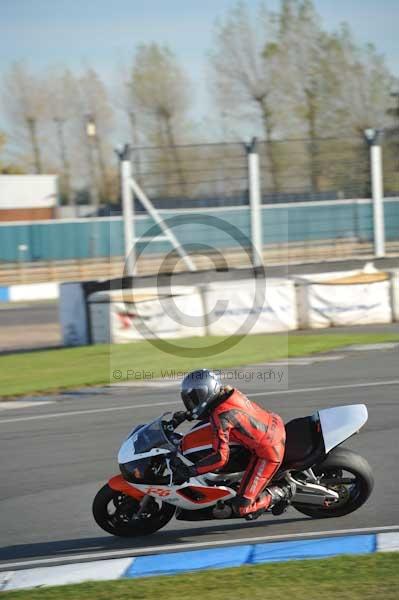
348	304
252	306
165	317
395	296
234	308
125	316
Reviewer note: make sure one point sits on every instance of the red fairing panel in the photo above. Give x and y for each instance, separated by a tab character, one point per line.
199	438
119	484
203	495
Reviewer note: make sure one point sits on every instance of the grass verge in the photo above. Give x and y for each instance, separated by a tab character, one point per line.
345	577
51	370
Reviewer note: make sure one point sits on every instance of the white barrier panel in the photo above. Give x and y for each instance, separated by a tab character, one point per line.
251	306
117	317
33	291
349	304
227	308
388	542
395	295
72	314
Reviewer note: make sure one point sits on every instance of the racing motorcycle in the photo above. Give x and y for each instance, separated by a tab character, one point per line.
330	481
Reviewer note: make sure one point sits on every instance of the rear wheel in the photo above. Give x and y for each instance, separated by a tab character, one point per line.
348	474
116	513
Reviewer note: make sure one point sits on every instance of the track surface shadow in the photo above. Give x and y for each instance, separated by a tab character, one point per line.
109	543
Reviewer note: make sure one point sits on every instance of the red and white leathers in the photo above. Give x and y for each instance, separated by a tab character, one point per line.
239	420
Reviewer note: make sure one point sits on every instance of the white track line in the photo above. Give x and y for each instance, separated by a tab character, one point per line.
13	404
328	387
74	413
192	546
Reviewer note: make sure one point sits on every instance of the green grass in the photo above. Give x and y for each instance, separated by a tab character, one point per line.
344	578
52	370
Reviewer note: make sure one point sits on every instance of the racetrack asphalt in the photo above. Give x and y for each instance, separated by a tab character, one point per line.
29	325
56	456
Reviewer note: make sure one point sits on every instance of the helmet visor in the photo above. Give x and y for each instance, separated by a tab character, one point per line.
193	397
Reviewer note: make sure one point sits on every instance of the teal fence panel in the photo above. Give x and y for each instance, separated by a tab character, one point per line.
391	218
211	228
218	228
328	221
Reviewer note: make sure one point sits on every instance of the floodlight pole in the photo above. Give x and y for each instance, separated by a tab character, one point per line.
373	138
255	203
127	210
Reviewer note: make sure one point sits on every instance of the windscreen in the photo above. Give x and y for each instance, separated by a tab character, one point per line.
151	436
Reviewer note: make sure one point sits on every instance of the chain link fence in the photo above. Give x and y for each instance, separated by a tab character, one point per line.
315	196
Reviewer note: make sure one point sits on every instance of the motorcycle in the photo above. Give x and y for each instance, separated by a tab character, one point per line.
330	481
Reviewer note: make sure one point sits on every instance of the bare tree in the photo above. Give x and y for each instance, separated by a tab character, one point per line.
61	89
305	57
364	96
124	100
244	76
365	85
24	104
161	91
94	102
329	84
133	120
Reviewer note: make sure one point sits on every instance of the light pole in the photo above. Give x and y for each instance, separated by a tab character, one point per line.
59	124
255	204
91	133
373	138
128	215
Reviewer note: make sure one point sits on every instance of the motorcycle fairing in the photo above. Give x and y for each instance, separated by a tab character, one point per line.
119	484
204	495
192	495
127	453
340	423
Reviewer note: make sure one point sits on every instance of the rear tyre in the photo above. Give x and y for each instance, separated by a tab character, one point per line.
116	514
354	484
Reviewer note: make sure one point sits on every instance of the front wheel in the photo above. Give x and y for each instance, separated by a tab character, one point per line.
347	473
116	513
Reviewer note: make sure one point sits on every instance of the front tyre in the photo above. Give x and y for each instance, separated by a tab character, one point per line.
347	473
116	512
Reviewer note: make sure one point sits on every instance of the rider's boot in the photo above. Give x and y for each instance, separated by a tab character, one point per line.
275	497
282	498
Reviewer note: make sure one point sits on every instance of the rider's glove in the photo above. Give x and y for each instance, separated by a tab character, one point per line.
182	472
178	418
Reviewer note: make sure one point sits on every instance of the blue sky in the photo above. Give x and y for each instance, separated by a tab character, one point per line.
104	33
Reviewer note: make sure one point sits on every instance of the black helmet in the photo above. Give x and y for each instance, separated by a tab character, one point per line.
199	389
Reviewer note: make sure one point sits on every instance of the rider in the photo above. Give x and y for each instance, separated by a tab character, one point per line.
233	417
